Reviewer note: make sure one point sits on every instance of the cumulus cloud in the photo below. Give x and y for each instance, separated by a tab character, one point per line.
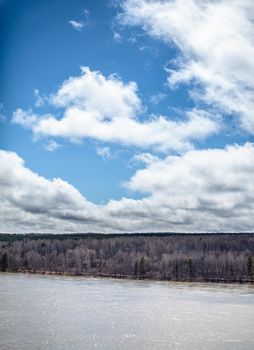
202	190
193	191
27	119
107	96
215	40
29	201
107	109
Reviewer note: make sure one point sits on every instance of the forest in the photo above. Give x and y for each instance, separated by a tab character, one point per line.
177	257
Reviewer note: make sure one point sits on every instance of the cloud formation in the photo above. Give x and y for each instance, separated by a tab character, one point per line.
104	152
195	190
51	146
202	190
40	102
107	109
2	112
77	25
215	40
31	202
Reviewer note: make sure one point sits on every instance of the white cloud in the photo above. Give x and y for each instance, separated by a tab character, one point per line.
108	97
107	109
40	102
117	35
146	158
87	17
216	44
157	98
31	202
104	152
77	25
209	190
227	169
203	190
51	146
27	119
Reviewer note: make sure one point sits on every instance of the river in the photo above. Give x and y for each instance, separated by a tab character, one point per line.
39	312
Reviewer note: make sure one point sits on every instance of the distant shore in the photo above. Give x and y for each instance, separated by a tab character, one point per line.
225	258
128	277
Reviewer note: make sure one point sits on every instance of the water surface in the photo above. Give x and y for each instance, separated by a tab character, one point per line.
39	312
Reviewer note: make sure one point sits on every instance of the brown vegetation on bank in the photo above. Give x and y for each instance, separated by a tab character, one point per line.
217	258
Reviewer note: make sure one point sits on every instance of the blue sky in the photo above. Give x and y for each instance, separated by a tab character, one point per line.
40	50
178	87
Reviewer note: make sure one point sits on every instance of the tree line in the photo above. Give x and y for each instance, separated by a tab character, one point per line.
193	257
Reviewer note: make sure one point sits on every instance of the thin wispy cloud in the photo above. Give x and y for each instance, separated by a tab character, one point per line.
40	101
117	36
2	113
80	25
51	146
104	152
157	98
76	25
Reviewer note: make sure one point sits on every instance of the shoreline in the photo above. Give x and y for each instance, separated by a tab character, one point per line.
131	278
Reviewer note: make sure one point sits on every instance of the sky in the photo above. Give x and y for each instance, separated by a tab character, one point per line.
126	116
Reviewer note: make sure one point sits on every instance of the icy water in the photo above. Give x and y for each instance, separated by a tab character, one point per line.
65	313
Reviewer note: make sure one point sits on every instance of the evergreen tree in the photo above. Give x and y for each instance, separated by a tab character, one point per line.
4	262
249	266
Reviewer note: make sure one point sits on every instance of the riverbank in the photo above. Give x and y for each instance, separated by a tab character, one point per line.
129	277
